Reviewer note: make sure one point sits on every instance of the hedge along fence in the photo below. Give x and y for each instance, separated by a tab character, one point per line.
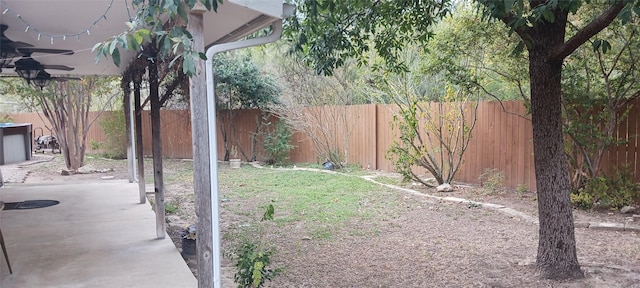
501	140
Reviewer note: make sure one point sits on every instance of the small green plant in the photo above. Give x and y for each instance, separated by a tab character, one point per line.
268	214
276	144
172	207
521	189
95	145
251	264
234	152
491	181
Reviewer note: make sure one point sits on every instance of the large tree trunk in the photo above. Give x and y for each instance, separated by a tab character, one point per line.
556	257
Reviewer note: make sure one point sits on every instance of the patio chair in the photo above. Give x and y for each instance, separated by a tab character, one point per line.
4	248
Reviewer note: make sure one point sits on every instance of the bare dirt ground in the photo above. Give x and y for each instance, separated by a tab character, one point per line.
417	242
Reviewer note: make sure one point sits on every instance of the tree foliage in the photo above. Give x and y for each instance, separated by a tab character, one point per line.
170	38
598	83
240	84
329	32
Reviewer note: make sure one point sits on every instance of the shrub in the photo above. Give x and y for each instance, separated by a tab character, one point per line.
608	192
6	119
276	143
491	181
115	145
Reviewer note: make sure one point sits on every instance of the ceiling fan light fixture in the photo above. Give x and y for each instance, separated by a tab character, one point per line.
42	79
28	68
28	73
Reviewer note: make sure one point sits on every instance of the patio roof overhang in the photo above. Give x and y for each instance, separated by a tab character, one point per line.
79	25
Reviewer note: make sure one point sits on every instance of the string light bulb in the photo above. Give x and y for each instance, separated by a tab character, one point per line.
29	27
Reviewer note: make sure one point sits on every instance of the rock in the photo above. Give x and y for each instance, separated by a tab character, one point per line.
607	226
65	173
107	177
87	169
581	224
631	227
446	187
627	209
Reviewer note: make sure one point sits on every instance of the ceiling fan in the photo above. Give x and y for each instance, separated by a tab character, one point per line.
26	67
43	79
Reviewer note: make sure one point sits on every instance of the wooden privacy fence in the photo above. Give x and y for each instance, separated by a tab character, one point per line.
501	140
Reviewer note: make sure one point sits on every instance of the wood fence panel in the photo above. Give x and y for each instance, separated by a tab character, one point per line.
386	136
362	148
501	139
146	132
176	134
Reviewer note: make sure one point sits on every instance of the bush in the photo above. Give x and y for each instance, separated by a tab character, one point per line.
491	181
251	264
608	192
276	144
115	146
6	119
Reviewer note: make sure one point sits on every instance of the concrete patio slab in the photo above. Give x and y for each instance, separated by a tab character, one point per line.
98	236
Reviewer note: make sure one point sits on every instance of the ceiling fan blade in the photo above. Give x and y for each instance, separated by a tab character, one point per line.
30	50
4	40
16	44
58	67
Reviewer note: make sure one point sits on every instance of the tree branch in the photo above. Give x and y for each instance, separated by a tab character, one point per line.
172	87
588	31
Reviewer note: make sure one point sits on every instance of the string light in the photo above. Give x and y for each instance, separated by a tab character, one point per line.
31	28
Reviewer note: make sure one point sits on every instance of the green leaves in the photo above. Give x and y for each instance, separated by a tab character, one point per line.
268	213
330	32
240	84
602	45
251	265
145	27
